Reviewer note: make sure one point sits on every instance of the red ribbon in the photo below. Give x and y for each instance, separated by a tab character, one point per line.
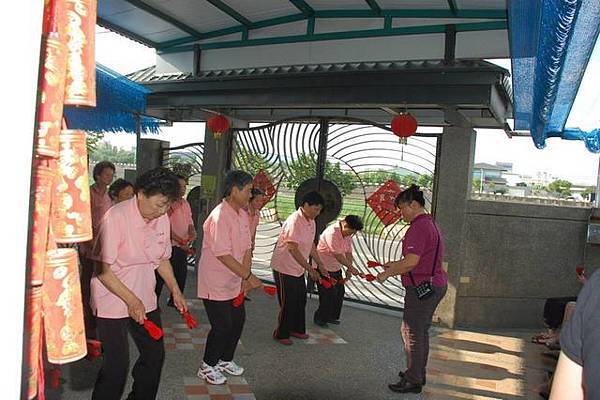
155	332
94	349
189	320
374	264
326	283
270	290
370	277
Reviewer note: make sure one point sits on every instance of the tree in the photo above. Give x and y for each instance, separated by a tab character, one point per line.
107	152
587	193
425	181
477	185
561	187
250	161
305	167
92	139
379	177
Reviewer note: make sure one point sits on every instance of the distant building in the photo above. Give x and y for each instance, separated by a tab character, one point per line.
490	177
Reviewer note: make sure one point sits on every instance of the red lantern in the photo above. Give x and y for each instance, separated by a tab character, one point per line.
404	125
218	125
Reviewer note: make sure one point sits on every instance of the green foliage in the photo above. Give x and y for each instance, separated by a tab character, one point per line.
476	185
105	151
560	187
587	193
425	181
92	139
250	161
381	176
181	168
305	167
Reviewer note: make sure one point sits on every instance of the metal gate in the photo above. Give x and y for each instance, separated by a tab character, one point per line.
358	157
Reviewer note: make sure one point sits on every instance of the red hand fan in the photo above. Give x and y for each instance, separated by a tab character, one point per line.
155	332
325	283
239	300
189	320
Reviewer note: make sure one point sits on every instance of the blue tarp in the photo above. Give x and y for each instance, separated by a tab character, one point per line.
551	43
118	101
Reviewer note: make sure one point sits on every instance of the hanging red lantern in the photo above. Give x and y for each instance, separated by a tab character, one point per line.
218	125
404	125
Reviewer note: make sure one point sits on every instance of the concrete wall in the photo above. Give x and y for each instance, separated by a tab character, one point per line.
515	256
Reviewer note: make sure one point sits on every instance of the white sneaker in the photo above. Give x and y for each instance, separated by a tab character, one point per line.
211	375
230	367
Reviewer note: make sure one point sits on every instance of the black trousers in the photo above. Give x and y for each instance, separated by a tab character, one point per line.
86	272
179	263
226	325
554	310
110	383
291	293
330	300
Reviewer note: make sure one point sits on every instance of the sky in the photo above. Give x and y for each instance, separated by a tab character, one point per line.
561	158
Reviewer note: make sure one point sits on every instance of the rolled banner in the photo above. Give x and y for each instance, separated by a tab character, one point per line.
71	213
80	85
63	312
33	325
52	86
43	177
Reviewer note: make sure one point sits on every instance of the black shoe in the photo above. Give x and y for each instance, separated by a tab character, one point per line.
334	322
405	386
170	303
322	324
401	375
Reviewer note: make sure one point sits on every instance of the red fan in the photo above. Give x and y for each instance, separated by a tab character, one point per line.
370	277
326	284
579	270
270	290
94	349
239	300
332	281
189	320
155	332
374	264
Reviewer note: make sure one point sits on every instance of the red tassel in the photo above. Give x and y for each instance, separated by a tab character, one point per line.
189	320
270	290
155	332
239	300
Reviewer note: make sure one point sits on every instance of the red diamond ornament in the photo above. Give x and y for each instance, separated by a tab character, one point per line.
382	202
263	182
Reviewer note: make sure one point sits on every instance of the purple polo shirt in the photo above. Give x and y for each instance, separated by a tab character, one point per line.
421	239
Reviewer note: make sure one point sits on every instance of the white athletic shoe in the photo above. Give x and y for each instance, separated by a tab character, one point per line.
211	375
230	367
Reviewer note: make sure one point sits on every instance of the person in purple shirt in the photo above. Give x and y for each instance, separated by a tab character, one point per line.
422	255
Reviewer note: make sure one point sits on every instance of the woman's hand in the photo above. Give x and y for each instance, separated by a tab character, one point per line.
322	270
179	302
136	310
382	276
251	283
313	274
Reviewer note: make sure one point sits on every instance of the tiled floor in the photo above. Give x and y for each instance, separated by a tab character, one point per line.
236	388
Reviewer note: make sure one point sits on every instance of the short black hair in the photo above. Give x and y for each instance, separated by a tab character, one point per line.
181	176
101	166
313	199
413	193
238	179
159	180
117	186
354	222
256	192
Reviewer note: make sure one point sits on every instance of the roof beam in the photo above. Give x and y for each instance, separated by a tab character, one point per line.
161	15
452	6
127	33
231	12
410	30
374	6
303	7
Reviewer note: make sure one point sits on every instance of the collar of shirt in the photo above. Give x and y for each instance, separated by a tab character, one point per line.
229	209
422	216
96	190
138	220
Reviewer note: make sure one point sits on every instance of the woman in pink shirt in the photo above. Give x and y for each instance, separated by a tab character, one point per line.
133	241
420	267
289	262
256	198
121	190
224	271
335	250
100	201
182	234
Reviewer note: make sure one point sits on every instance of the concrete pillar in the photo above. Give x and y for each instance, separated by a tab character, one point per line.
454	172
149	154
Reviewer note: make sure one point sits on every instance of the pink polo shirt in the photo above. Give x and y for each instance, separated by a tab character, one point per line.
331	243
180	216
225	232
421	239
296	229
133	248
100	203
254	220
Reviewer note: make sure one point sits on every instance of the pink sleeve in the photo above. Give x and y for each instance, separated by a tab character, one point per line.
220	237
108	240
335	241
167	233
188	213
293	231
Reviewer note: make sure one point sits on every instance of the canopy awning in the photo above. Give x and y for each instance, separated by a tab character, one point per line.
551	44
119	103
